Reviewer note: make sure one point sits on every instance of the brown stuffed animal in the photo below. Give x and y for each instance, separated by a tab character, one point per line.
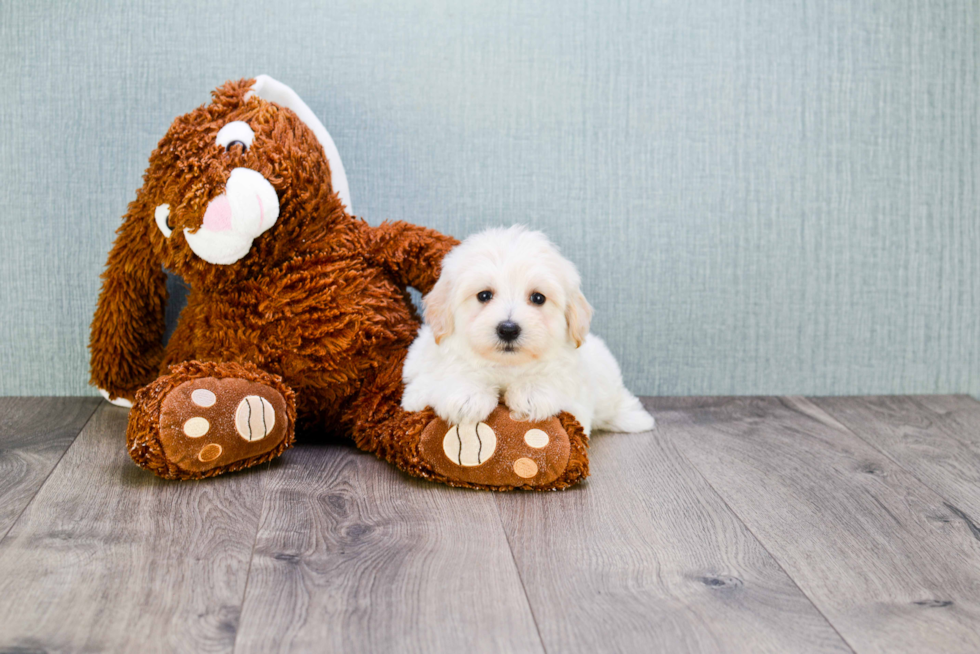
297	311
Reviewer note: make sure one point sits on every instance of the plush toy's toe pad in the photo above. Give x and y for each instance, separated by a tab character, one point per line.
209	423
501	453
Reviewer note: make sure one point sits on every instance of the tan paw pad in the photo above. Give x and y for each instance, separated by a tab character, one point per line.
203	397
196	427
525	468
255	418
209	452
469	445
537	439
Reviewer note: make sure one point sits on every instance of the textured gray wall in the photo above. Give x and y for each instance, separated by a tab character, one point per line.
763	196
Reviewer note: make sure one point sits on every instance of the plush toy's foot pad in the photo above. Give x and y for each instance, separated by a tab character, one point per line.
208	424
501	453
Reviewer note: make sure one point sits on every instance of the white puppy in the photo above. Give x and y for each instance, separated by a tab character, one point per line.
507	318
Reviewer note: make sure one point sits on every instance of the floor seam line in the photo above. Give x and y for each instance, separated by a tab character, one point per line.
251	558
765	549
517	569
899	464
95	409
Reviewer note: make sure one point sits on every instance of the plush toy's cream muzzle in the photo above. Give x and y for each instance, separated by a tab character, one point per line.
248	207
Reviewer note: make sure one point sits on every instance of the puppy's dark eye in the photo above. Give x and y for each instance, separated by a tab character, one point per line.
484	296
234	143
537	298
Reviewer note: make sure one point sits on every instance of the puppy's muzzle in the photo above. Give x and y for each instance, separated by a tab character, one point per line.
508	331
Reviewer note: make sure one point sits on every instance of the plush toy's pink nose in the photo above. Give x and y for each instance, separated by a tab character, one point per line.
217	217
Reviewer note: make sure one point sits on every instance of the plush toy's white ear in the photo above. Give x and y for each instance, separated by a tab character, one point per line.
438	312
274	91
578	315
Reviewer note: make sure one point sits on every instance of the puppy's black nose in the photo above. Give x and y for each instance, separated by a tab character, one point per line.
508	331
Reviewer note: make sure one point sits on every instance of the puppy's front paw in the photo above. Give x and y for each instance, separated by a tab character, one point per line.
461	408
531	405
414	398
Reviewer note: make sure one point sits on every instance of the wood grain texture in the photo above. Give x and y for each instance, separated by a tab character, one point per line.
108	558
34	434
353	556
645	557
935	437
740	525
882	556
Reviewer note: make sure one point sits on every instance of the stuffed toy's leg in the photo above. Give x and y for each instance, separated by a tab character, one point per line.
497	454
203	419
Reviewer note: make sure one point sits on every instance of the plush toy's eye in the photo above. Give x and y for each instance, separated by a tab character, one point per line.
162	217
484	296
236	132
537	298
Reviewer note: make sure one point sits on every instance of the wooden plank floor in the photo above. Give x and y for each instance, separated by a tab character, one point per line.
738	525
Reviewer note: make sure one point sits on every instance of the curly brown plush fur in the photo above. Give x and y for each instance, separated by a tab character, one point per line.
317	307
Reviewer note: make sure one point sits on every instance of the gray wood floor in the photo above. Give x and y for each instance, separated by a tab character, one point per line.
738	525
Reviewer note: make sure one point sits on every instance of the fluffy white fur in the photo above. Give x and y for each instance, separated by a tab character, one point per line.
460	367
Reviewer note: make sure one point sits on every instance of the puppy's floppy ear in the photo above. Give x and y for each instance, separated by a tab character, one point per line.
578	315
438	312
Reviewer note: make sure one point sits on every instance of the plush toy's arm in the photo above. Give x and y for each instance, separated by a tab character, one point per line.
411	253
127	330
